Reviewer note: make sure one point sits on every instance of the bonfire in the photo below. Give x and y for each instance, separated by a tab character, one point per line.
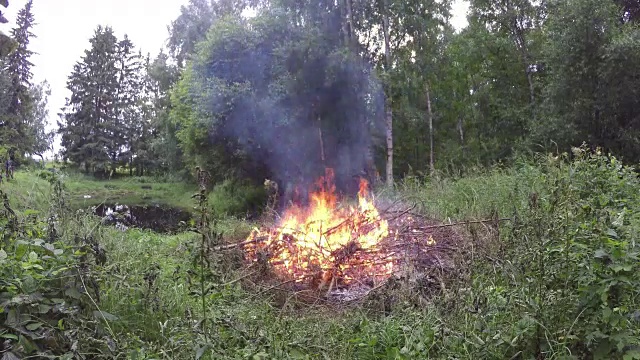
325	245
346	251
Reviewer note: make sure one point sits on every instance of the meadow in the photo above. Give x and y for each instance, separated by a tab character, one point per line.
558	279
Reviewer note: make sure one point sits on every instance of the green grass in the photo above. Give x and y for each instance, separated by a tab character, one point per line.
27	191
525	292
131	191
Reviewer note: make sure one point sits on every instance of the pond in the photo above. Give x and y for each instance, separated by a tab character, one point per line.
158	218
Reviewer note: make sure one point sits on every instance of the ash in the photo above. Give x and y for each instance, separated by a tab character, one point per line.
352	293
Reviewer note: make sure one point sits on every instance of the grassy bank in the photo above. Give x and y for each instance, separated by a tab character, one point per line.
129	190
560	279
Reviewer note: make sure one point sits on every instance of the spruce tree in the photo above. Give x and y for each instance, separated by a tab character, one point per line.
14	133
104	124
7	44
131	98
88	127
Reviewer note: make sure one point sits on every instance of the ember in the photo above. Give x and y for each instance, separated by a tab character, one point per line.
324	245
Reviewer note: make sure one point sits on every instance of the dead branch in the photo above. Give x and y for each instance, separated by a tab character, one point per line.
459	224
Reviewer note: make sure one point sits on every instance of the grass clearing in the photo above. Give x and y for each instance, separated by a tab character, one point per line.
561	280
134	190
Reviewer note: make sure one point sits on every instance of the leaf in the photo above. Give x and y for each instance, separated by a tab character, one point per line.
612	234
296	354
9	336
101	314
112	345
260	356
9	356
201	351
33	326
43	309
480	341
631	355
601	254
12	317
72	292
3	256
28	345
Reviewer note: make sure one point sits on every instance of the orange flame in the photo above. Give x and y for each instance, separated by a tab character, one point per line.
325	239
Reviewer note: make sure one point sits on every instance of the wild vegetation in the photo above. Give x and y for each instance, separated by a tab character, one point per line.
482	129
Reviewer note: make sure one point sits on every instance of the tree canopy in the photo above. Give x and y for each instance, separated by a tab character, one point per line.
359	86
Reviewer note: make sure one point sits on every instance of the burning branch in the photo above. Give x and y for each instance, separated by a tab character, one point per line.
329	248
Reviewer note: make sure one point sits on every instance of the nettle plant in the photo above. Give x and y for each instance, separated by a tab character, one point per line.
604	253
575	246
48	294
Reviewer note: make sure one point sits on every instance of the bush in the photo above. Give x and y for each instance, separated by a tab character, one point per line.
565	281
48	292
237	198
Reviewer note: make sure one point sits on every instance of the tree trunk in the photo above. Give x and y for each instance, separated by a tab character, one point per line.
432	167
521	43
388	113
389	122
349	24
322	156
461	133
460	128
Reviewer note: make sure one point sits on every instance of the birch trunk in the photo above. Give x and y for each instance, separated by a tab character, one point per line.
349	24
388	112
432	166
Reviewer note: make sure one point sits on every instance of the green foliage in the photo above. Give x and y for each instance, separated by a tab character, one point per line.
590	93
559	280
20	101
48	292
99	135
565	277
7	45
234	198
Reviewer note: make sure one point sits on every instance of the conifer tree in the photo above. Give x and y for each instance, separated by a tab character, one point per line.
104	123
93	108
7	44
14	132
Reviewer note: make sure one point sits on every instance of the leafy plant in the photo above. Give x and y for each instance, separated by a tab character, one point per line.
48	292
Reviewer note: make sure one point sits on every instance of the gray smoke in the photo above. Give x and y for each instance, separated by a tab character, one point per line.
278	116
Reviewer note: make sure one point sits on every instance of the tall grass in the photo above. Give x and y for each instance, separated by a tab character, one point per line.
561	280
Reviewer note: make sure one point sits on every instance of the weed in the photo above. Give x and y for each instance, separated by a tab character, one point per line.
48	292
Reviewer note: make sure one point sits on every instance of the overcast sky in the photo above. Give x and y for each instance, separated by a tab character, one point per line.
64	27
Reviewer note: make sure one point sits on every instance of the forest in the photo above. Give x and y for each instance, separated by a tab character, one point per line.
294	179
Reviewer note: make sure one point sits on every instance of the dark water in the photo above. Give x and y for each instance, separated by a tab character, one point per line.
158	218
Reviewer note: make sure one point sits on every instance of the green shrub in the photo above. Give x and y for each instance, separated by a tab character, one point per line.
565	281
236	198
48	292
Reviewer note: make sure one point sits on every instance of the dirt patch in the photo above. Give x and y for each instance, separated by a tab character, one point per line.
158	218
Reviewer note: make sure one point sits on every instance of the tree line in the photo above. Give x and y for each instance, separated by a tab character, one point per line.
385	86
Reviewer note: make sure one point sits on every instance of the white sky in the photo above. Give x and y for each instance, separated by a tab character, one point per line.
64	27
